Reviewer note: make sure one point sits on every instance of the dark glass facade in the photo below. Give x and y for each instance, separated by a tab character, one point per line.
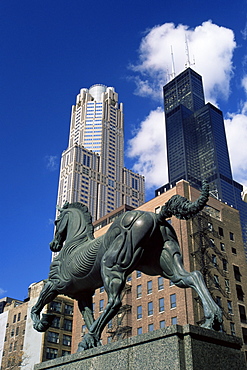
196	142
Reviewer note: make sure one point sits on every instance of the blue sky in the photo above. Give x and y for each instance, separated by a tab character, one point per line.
49	50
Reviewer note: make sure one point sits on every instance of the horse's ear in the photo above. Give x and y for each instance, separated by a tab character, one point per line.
64	206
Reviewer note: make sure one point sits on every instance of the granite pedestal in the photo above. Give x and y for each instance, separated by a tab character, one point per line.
174	348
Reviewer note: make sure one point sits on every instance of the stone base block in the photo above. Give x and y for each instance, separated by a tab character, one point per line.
174	348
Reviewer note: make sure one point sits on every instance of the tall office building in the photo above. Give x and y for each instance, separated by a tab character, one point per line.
196	143
92	168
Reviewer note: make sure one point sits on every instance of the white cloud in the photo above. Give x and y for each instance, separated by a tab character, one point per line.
212	47
2	292
148	147
236	132
51	162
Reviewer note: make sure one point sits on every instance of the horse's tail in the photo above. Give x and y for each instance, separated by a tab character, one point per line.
183	208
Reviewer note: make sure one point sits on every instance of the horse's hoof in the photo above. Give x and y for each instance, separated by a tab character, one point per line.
88	341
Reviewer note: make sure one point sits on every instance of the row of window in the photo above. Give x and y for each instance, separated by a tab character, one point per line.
17	317
161	306
15	332
53	337
162	325
67	324
53	352
150	286
57	307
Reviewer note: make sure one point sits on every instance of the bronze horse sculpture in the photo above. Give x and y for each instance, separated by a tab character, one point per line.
136	240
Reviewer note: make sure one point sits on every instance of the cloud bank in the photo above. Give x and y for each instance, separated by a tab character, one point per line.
212	48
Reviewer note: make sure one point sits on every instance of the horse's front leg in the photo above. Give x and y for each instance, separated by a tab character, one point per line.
114	286
47	294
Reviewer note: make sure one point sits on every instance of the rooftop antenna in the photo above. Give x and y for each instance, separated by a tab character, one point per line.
173	74
188	62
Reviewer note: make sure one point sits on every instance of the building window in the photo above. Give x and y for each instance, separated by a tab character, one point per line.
55	322
55	306
150	308
227	286
17	330
65	353
216	281
66	340
12	333
232	327
212	244
244	332
231	236
225	264
229	306
19	316
222	247
173	300
15	346
221	231
139	330
174	320
234	250
210	226
10	347
157	209
14	319
138	291
218	301
214	260
242	314
162	324
67	325
149	287
139	312
51	353
237	274
161	304
240	293
160	283
138	274
68	309
101	305
86	160
52	337
150	327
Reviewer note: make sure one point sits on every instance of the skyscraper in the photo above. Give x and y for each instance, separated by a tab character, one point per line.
196	142
92	168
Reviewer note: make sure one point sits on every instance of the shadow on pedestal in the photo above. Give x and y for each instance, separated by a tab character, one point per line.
174	348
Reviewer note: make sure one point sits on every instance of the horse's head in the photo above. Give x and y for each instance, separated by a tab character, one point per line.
74	221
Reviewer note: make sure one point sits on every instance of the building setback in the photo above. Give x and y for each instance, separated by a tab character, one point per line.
196	143
212	243
92	168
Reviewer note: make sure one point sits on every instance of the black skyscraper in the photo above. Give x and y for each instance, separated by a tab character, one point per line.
196	142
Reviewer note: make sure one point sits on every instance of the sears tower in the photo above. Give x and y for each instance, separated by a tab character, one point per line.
196	143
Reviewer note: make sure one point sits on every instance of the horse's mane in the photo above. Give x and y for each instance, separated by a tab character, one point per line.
86	214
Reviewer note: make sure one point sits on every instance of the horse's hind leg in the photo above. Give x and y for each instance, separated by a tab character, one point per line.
47	295
172	266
